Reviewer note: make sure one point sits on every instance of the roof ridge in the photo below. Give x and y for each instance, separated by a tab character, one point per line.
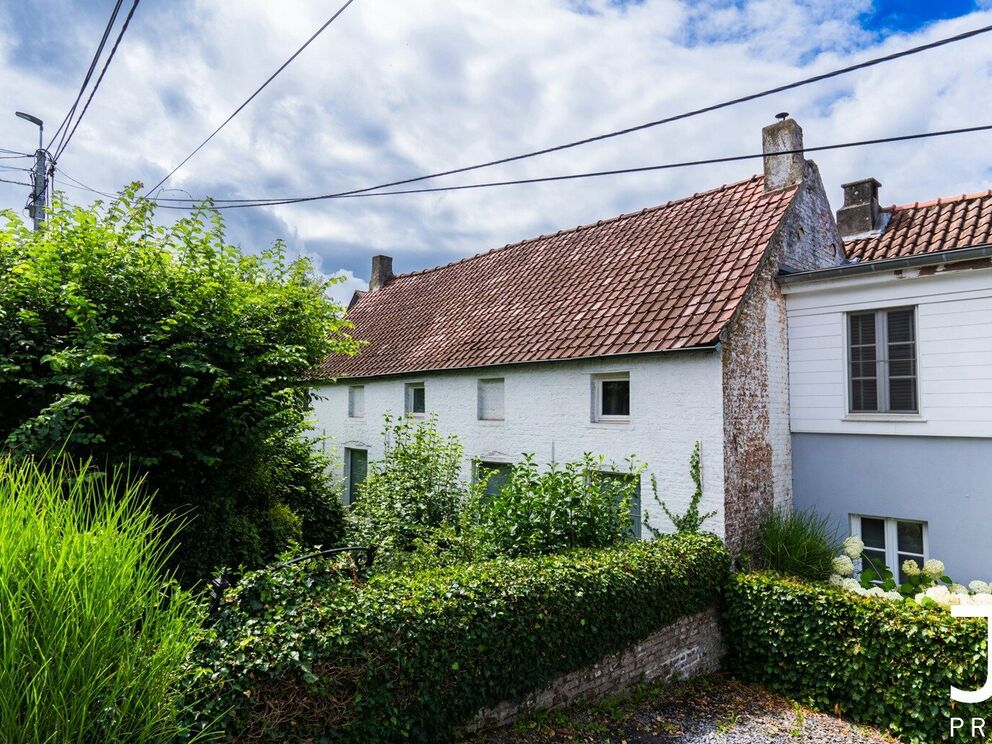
939	201
579	228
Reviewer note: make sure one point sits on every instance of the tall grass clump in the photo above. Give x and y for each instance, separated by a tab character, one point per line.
93	634
798	543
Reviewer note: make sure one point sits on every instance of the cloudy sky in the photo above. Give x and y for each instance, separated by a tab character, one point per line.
397	88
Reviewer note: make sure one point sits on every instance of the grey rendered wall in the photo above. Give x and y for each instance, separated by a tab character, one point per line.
944	481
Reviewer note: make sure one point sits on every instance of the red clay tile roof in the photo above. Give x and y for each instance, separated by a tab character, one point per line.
927	227
668	277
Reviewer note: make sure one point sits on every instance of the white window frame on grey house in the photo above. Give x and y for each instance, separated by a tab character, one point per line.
894	553
491	397
878	366
356	401
410	393
351	485
599	414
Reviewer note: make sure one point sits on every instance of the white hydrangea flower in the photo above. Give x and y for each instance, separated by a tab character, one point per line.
843	565
933	568
959	589
876	591
979	587
851	585
853	547
895	596
836	579
942	596
981	598
911	568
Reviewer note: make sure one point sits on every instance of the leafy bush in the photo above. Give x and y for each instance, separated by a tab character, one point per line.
92	639
890	664
414	490
570	505
691	520
165	348
300	657
798	543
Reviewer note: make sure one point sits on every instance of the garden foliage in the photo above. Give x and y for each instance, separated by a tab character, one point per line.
691	520
798	543
93	639
890	664
165	348
299	654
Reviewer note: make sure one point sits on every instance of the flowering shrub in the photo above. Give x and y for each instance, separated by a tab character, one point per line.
926	585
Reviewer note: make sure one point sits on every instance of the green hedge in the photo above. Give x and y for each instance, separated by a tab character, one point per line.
299	655
886	663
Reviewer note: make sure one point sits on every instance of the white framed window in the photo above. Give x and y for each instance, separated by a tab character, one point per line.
491	399
890	541
497	472
882	370
356	468
416	399
356	401
611	397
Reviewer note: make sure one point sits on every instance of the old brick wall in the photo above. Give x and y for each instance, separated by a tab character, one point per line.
690	647
757	440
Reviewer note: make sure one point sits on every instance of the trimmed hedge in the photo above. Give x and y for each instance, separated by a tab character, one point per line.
297	656
890	664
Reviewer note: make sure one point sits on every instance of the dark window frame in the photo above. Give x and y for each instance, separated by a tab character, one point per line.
351	485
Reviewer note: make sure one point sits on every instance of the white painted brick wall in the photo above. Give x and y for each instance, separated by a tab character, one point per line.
778	400
675	401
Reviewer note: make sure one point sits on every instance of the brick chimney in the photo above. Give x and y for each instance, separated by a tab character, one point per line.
382	272
782	171
860	213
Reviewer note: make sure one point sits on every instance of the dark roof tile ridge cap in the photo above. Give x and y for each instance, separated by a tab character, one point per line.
580	228
939	201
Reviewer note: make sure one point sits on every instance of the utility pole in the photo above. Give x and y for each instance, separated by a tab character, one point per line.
36	209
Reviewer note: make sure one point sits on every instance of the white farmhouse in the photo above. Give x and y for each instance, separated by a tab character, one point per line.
638	335
890	363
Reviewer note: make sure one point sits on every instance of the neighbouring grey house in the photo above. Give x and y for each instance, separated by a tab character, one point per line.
890	379
848	370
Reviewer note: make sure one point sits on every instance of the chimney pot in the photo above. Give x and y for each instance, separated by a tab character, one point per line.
860	213
782	171
382	272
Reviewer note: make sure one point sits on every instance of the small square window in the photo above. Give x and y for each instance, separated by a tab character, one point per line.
891	542
356	401
416	399
611	398
491	399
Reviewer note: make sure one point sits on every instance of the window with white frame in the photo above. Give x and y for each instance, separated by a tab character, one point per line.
356	468
416	399
491	399
891	542
356	401
882	361
611	397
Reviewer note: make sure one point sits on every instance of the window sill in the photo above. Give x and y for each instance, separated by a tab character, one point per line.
491	422
909	418
611	422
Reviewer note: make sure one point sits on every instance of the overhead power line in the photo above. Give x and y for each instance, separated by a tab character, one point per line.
65	142
616	171
18	183
640	127
89	74
250	98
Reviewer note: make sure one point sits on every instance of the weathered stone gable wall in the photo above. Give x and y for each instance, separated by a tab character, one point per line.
757	446
690	647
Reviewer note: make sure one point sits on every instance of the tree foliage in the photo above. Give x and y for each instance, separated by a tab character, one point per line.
165	347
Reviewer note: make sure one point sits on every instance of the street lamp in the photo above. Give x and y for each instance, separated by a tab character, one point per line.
36	121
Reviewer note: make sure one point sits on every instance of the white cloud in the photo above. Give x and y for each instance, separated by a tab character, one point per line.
396	89
342	291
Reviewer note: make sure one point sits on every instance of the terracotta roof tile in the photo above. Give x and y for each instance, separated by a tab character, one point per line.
927	227
668	277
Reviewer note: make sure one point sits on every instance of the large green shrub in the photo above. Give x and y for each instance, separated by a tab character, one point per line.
92	638
301	655
563	506
166	348
799	543
890	664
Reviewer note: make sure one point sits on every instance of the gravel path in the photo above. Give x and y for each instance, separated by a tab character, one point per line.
715	710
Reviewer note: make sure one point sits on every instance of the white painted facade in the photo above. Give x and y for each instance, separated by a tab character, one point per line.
954	351
676	399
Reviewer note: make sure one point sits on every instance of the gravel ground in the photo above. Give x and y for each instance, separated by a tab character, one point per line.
714	710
